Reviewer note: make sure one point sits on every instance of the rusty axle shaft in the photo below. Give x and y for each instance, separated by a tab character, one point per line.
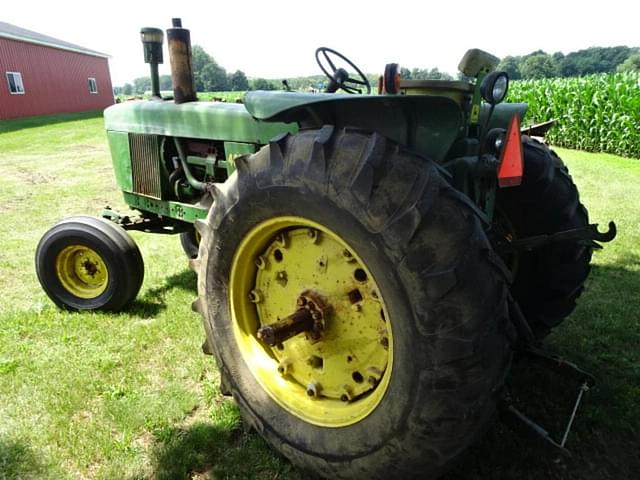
275	333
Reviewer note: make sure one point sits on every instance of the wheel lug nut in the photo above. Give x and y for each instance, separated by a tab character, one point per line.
255	296
313	389
356	307
375	374
346	394
281	240
260	262
313	235
284	368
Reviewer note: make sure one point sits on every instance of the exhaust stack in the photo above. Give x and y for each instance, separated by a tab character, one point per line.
179	42
152	45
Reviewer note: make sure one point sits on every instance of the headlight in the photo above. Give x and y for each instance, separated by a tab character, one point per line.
494	87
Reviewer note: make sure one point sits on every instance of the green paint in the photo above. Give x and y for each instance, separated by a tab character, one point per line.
476	101
203	120
121	158
502	114
427	124
234	150
176	210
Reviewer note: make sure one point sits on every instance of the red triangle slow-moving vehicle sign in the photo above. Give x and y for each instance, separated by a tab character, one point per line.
510	169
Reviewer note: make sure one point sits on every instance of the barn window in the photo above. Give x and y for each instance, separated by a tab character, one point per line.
14	79
93	86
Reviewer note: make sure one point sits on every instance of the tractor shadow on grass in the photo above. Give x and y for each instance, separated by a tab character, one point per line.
602	337
17	461
152	302
207	451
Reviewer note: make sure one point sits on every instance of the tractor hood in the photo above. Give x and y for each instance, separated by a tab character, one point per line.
208	120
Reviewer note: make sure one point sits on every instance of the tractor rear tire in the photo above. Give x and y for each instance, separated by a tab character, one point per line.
547	281
416	247
89	263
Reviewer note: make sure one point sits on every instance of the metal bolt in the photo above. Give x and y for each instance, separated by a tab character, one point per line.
348	256
284	368
255	296
375	374
356	307
313	235
281	239
261	262
345	394
313	389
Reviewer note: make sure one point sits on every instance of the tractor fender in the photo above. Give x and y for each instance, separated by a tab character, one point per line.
502	114
428	125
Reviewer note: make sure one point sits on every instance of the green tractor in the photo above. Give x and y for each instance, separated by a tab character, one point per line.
367	264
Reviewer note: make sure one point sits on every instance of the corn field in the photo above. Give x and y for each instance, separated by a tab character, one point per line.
597	113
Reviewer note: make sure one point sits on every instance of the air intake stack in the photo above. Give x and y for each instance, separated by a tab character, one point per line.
152	44
179	41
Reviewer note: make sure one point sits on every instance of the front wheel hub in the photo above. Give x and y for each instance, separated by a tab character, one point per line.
310	321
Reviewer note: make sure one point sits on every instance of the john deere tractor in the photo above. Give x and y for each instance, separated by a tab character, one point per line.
367	263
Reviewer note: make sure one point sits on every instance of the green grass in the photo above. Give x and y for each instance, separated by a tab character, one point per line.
130	396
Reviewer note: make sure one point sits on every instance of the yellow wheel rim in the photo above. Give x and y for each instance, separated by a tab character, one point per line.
82	271
333	381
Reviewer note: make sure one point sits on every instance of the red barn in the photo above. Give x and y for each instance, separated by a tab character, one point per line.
42	75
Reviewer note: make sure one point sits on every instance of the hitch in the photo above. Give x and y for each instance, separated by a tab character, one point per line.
588	233
519	421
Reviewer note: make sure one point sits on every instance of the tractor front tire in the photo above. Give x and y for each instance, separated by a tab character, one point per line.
89	263
190	241
417	341
548	280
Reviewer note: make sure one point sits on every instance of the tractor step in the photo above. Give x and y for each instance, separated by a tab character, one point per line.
520	422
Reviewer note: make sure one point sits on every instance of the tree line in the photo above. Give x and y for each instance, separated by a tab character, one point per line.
540	64
209	76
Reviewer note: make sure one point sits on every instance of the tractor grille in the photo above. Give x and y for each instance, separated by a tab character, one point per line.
145	164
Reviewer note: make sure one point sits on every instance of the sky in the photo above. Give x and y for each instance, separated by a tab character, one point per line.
277	39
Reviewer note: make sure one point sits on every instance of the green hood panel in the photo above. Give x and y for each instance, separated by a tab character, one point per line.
208	120
265	105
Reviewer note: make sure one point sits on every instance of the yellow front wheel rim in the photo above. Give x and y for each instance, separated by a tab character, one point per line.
333	381
82	271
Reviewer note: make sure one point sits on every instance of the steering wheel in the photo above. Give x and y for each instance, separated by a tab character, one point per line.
339	77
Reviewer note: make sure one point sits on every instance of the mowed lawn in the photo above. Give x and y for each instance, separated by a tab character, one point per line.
131	396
